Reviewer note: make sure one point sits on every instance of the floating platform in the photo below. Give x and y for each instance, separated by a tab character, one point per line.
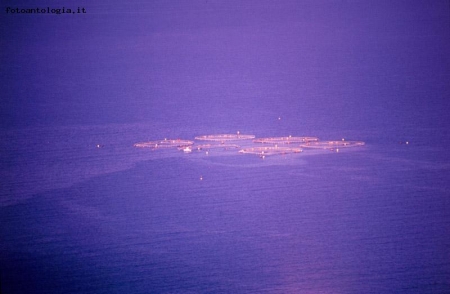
224	137
165	144
266	151
332	144
286	140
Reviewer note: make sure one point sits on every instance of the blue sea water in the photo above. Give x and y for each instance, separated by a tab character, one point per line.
120	219
75	218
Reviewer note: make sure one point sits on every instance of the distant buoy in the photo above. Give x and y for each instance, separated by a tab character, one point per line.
279	118
407	142
201	178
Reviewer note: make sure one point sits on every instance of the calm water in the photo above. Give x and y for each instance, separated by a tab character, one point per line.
117	219
75	218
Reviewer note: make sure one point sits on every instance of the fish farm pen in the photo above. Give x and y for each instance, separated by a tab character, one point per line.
250	147
266	151
332	144
285	140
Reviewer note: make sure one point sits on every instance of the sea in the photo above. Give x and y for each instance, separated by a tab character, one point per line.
83	211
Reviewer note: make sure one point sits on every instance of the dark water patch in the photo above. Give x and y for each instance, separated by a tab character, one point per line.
343	221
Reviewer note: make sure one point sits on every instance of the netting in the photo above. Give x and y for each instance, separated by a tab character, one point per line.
224	137
265	151
285	140
215	146
332	144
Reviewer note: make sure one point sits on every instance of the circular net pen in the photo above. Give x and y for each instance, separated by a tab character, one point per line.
215	146
164	144
332	145
286	140
267	151
224	137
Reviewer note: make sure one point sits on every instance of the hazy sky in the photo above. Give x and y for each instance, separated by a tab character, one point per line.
126	62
